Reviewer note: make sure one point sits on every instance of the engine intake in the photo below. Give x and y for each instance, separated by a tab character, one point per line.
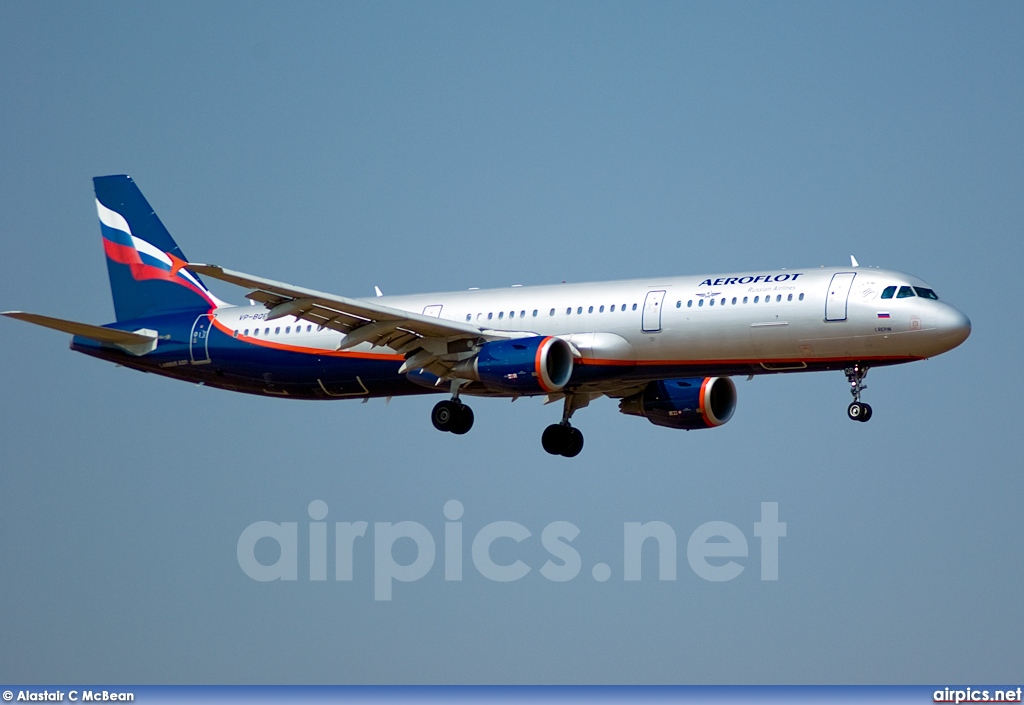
529	365
691	403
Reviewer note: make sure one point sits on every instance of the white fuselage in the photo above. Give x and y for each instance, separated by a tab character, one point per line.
768	321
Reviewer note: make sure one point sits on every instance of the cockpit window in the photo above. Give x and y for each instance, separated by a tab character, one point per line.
926	293
905	292
889	291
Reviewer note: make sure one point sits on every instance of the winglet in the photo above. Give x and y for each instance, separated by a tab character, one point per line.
853	261
378	291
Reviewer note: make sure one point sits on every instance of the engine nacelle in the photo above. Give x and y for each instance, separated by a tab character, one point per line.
692	403
528	365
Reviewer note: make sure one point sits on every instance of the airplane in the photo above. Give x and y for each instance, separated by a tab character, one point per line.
665	347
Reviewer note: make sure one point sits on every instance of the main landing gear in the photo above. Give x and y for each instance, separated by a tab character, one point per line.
562	438
452	416
858	410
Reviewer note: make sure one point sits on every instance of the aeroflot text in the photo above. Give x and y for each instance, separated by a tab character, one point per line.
710	549
766	278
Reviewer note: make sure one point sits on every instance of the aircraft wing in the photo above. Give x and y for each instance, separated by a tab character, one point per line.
361	321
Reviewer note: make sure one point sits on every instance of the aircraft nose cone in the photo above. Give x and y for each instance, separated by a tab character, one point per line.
953	326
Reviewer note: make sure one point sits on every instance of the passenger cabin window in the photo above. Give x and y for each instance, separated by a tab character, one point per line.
926	293
905	292
601	310
700	303
689	304
801	297
887	292
634	307
612	309
579	310
535	312
756	299
552	312
744	299
590	310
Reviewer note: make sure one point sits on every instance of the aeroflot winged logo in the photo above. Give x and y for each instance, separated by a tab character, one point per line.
760	278
144	260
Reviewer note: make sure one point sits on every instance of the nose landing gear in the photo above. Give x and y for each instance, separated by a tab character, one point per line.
858	410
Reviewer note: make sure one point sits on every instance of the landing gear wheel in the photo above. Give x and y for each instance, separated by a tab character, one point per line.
574	444
464	420
452	416
858	411
553	438
562	439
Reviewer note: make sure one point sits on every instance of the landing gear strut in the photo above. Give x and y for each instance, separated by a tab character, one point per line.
561	438
858	410
452	416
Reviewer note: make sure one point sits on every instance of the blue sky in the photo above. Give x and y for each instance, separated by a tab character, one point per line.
423	147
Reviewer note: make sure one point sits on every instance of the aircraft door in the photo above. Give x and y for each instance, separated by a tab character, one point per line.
838	293
652	311
200	340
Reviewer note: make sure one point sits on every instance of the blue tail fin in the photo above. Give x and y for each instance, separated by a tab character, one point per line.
146	267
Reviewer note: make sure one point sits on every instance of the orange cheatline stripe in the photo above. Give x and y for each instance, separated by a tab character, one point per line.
740	361
306	350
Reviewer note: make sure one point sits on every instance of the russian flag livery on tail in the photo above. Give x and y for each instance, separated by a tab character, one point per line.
663	347
147	268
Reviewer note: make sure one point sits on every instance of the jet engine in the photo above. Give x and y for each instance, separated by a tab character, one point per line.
534	365
691	403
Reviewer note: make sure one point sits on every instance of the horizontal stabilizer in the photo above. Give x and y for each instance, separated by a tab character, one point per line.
124	339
